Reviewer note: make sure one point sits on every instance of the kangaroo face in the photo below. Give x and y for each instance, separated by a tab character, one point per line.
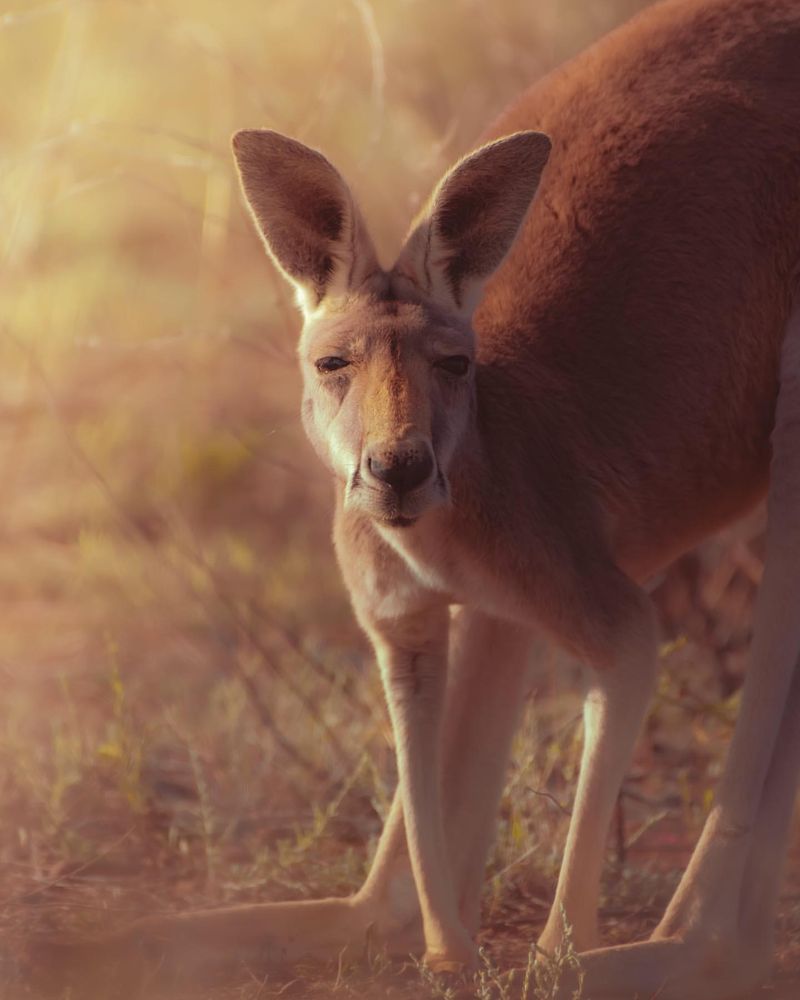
388	357
388	395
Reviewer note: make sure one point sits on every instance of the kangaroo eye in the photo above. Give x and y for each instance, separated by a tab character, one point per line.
330	364
457	364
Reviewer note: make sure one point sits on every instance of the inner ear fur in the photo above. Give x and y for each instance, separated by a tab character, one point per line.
305	214
472	218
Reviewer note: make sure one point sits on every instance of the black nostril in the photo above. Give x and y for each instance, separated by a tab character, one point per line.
403	472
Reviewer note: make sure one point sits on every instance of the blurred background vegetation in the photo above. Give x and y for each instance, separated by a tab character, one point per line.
189	714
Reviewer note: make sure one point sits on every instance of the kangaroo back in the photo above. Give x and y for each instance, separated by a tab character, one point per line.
651	284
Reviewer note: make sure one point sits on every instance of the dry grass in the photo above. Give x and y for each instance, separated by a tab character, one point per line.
189	714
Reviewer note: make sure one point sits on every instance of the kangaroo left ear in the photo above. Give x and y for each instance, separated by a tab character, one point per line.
471	220
306	215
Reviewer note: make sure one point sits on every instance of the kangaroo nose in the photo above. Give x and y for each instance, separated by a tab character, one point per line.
403	467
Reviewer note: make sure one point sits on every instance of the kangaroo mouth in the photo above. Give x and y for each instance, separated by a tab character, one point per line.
388	509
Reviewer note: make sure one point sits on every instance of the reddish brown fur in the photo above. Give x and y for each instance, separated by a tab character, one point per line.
650	371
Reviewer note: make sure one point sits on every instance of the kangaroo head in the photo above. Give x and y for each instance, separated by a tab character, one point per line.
388	356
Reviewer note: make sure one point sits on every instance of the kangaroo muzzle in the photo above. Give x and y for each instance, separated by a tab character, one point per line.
401	466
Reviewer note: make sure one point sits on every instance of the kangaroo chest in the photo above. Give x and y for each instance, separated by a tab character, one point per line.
431	564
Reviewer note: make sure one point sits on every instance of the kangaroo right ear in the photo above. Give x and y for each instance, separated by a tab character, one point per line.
306	215
468	226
